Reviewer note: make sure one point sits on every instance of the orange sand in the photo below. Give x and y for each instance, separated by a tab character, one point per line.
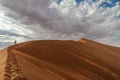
61	60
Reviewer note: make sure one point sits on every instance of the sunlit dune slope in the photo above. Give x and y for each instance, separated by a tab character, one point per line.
65	60
3	57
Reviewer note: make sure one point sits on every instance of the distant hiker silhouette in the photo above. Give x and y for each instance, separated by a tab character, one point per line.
15	42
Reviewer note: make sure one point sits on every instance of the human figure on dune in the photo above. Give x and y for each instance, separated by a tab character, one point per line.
15	42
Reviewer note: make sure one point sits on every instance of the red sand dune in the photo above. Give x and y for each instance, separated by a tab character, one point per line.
60	60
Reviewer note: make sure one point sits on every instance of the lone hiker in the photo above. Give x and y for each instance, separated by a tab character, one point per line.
15	42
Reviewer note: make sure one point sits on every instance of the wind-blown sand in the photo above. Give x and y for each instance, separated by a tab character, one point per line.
60	60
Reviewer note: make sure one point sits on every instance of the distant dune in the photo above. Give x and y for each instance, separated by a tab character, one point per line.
60	60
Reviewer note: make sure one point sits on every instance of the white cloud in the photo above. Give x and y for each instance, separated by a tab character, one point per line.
102	21
10	29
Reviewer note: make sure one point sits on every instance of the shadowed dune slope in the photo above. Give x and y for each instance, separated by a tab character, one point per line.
66	60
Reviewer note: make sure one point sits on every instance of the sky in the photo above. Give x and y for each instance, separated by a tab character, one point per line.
26	20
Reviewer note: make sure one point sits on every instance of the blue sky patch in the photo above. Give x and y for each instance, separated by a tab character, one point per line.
117	39
104	4
110	5
58	1
78	1
117	17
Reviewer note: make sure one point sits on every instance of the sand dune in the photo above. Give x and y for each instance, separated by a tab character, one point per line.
60	60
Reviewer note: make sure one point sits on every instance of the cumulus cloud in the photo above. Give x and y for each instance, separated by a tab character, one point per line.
60	19
98	22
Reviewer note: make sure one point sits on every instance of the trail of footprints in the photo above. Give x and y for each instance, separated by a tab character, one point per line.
12	70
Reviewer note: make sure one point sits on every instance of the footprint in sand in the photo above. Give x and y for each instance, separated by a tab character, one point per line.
12	70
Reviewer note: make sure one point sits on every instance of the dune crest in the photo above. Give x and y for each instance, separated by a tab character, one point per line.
83	40
61	60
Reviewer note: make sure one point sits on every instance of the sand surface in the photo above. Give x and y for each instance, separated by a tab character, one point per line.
3	57
60	60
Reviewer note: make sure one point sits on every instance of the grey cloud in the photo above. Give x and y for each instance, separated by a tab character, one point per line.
9	33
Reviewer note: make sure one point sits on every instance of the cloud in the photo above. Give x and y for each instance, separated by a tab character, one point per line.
94	21
61	19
